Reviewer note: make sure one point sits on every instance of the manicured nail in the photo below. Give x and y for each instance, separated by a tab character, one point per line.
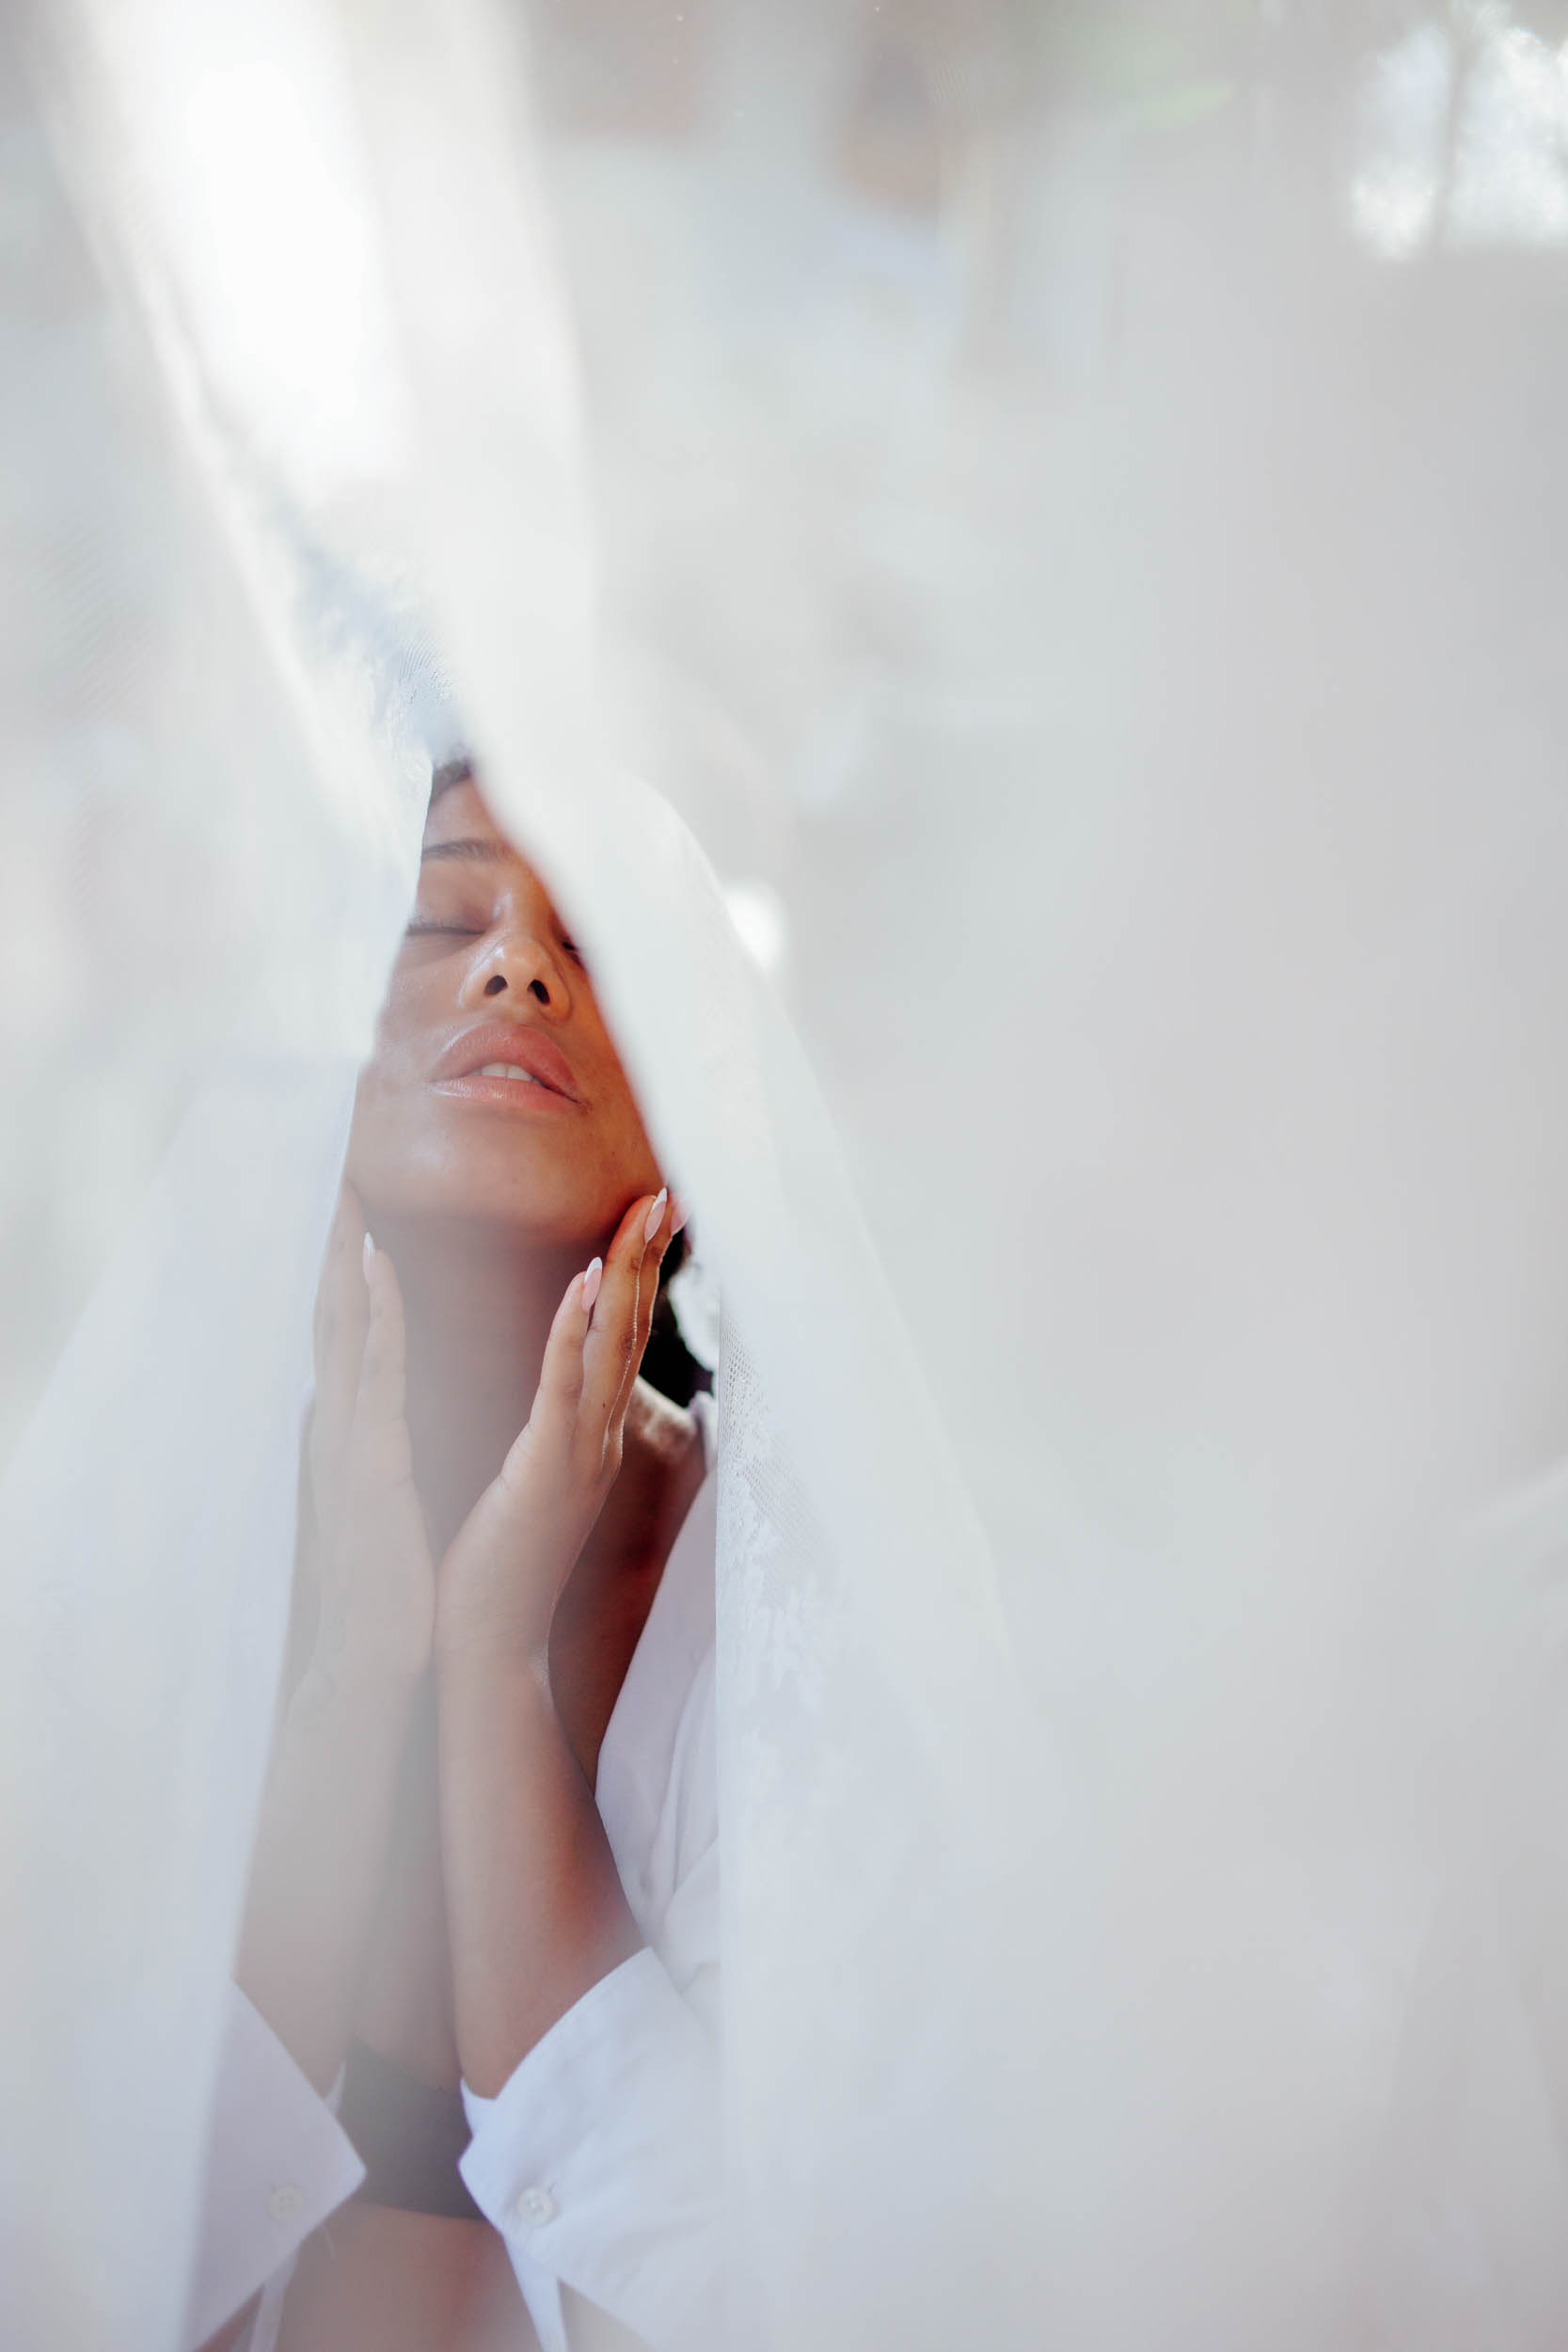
677	1219
368	1255
651	1226
590	1281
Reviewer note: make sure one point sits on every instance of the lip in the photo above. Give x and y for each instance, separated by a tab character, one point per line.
457	1072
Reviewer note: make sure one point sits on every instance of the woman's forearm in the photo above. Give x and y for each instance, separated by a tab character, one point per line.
534	1903
320	1851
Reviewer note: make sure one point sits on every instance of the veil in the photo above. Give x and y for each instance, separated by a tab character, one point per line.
1026	645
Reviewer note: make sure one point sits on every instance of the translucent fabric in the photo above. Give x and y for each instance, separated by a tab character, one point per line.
1019	615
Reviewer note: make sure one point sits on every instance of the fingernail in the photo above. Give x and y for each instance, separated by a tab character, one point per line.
677	1220
651	1225
590	1281
368	1256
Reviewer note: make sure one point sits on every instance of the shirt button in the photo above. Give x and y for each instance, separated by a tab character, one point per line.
285	2200
534	2207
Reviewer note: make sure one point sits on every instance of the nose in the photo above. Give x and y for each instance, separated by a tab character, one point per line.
513	964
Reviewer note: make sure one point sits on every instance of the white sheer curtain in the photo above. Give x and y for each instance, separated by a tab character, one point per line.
1105	623
217	869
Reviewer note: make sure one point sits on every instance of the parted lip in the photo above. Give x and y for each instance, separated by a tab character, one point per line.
509	1041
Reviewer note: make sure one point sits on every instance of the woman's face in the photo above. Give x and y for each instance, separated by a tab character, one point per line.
494	1090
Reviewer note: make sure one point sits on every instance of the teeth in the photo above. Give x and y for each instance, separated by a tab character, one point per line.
508	1069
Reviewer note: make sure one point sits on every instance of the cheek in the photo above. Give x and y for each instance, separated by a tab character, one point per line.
394	1079
391	1129
418	1006
380	1133
622	1140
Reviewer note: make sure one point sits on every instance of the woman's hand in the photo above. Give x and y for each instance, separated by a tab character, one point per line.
535	1909
367	1560
501	1582
366	1585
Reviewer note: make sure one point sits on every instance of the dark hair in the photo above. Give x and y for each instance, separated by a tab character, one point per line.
458	769
668	1363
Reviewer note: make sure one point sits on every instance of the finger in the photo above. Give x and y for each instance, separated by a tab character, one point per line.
342	1318
559	1392
660	1231
609	1351
657	1231
553	1423
380	1434
305	1599
340	1311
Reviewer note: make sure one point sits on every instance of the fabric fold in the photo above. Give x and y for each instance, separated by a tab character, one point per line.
286	2164
600	2163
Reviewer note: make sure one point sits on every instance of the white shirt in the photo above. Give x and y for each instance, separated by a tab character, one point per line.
599	2160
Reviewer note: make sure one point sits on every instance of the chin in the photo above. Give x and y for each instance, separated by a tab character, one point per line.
492	1172
540	1206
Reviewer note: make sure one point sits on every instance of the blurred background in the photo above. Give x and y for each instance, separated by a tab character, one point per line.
1076	500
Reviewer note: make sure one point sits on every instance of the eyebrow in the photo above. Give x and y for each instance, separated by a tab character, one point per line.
473	849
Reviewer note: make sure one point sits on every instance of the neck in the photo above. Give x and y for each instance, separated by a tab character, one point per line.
479	1300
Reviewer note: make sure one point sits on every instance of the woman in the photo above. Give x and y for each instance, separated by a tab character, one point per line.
446	1934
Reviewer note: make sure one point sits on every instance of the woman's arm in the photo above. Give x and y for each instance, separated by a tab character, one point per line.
591	2086
327	1815
280	2163
320	1853
536	1908
535	1902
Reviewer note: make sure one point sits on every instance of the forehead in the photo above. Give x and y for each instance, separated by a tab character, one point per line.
459	812
459	826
